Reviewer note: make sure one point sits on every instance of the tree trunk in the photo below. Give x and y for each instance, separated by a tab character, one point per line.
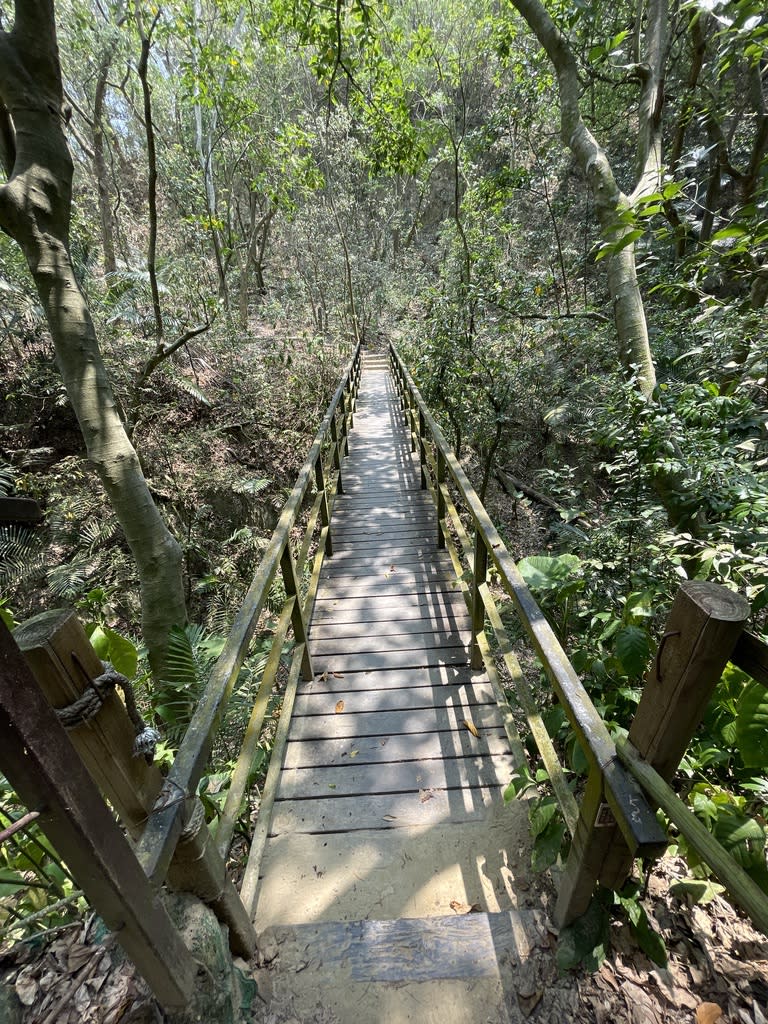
100	164
35	208
610	201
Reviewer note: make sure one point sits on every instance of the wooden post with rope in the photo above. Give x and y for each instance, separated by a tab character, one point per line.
64	665
39	762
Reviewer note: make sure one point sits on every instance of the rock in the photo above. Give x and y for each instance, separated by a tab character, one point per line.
10	1006
221	992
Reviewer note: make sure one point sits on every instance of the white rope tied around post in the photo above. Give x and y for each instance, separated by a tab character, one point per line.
89	703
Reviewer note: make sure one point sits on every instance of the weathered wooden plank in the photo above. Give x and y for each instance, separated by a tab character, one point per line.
386	642
323	702
386	560
374	680
383	546
391	810
388	749
392	584
409	949
368	504
454	630
448	607
391	659
391	723
354	779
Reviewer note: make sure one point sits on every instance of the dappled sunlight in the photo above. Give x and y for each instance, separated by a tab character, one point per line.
389	807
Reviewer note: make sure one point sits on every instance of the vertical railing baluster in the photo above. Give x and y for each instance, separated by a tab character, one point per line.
291	585
479	573
325	512
336	455
441	506
423	450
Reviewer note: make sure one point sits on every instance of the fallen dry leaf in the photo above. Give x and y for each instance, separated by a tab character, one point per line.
529	1003
472	728
339	706
426	794
708	1013
464	908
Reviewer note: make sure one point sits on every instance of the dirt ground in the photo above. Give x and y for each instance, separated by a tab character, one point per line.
717	974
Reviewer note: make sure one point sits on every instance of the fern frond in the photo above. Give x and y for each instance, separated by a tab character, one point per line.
22	556
191	389
250	485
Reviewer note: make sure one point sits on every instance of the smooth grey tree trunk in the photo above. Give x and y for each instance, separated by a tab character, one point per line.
35	207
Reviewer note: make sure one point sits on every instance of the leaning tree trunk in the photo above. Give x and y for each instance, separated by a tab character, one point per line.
610	201
35	206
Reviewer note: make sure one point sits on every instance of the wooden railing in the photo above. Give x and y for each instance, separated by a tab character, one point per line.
616	821
49	662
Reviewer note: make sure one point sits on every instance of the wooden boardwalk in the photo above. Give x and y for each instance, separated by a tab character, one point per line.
388	805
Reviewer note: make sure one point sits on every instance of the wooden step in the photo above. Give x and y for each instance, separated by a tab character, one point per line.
461	969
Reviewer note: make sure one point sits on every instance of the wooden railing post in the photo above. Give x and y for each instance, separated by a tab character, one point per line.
325	512
60	657
423	450
441	483
345	425
42	766
297	617
479	575
336	456
701	631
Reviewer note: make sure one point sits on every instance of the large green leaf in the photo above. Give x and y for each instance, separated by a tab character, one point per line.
544	572
752	726
744	839
585	941
633	649
118	650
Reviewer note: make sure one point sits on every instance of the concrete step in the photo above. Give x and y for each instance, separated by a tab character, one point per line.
468	968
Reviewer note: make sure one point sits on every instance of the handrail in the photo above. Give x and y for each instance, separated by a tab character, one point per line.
632	811
707	622
164	825
637	822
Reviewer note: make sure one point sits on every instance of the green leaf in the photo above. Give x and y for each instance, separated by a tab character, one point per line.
752	726
734	231
585	942
547	846
742	837
647	937
122	653
541	814
633	649
543	572
695	890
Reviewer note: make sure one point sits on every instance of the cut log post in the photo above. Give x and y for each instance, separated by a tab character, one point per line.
700	634
40	763
63	663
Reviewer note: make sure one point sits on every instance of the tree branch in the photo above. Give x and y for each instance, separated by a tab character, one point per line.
7	141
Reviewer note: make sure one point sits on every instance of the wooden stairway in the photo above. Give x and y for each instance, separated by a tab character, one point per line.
389	823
